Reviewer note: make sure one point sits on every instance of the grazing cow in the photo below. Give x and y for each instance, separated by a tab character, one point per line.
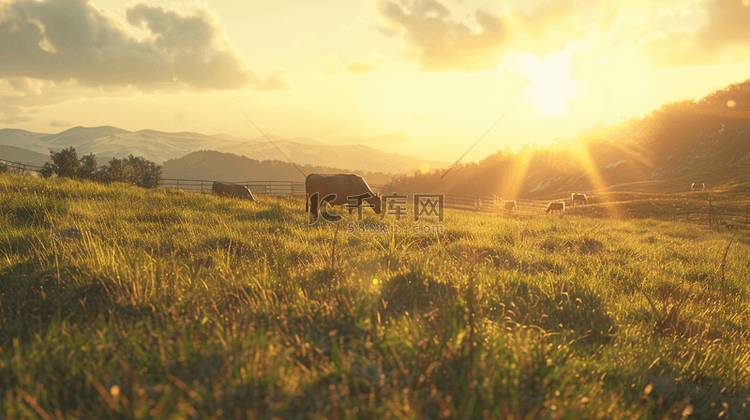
339	189
510	206
579	198
232	190
556	206
697	186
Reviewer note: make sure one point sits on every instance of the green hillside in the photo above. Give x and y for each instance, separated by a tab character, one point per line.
120	302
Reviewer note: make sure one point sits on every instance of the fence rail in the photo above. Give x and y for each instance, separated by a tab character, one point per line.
485	204
712	215
287	188
20	168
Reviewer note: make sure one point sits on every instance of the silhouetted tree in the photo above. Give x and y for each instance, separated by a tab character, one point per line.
65	162
142	172
135	170
87	167
48	170
115	171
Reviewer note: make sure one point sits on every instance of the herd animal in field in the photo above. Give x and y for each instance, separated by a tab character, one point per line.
339	189
558	206
510	206
579	198
232	190
697	186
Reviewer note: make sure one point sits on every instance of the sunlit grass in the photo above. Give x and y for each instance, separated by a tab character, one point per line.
121	302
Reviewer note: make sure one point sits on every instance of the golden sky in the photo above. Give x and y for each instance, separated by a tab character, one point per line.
417	77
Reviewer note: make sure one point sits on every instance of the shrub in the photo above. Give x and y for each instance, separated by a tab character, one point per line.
87	167
66	162
132	170
48	170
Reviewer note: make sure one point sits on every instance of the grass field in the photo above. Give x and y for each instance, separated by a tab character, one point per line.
119	302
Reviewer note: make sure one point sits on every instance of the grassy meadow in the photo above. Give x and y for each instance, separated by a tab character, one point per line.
120	302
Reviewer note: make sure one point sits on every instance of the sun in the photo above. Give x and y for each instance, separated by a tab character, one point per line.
550	87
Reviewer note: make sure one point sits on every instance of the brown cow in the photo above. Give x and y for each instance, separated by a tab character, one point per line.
510	206
697	186
578	197
556	206
339	189
232	190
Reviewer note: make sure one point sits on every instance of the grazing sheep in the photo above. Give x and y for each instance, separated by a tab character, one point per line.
556	206
510	206
579	198
697	186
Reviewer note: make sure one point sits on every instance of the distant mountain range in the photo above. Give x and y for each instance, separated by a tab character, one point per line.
160	147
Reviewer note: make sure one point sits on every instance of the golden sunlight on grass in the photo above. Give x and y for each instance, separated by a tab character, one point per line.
516	174
580	150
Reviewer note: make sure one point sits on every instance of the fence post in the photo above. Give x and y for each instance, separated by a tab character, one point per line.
687	217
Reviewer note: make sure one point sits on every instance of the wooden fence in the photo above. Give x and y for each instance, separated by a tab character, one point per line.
286	188
20	168
713	216
485	204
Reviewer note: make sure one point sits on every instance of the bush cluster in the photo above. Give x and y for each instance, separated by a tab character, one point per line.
134	170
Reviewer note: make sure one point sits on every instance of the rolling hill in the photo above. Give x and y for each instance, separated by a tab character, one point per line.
218	166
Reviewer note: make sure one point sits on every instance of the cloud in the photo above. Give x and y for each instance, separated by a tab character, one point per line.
441	36
724	36
373	63
25	85
10	114
61	40
438	42
33	92
276	81
361	67
444	36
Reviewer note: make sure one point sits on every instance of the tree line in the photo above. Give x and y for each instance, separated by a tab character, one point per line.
133	170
